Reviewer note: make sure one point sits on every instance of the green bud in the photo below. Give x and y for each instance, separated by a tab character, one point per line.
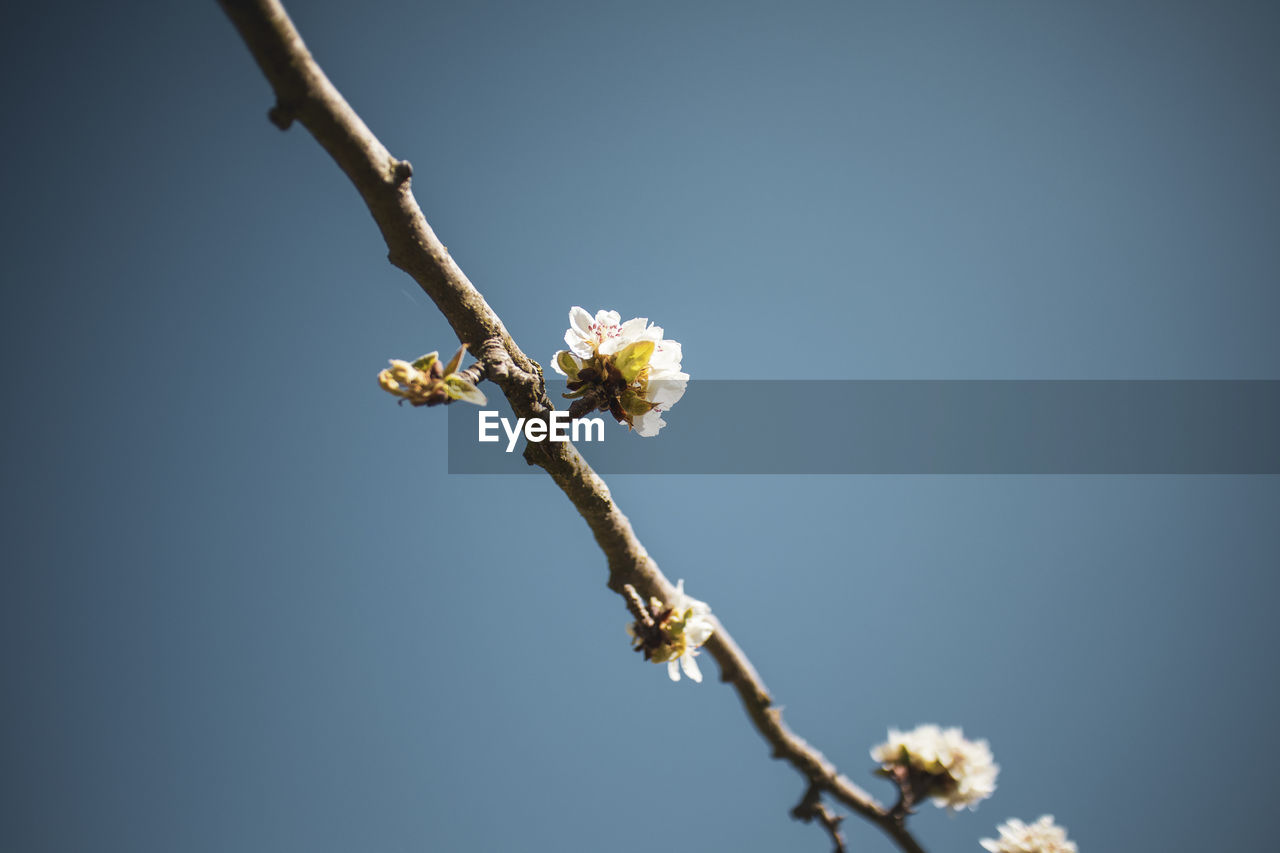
424	362
567	363
633	404
456	361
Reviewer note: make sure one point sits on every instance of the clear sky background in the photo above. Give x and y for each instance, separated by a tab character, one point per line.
245	608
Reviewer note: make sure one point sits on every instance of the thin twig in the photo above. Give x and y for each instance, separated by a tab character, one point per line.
811	808
304	94
474	374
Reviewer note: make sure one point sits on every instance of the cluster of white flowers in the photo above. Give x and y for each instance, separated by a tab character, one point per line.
627	369
940	764
672	632
1043	836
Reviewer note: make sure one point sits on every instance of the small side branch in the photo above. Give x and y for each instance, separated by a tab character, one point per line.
812	808
475	374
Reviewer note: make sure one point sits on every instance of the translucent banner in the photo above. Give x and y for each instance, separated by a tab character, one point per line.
910	427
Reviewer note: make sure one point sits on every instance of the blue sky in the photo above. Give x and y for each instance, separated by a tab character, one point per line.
246	608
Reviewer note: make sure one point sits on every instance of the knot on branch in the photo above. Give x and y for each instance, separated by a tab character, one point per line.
497	360
402	172
282	115
504	372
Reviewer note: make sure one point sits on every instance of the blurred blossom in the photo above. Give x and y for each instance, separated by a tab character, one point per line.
930	762
1043	836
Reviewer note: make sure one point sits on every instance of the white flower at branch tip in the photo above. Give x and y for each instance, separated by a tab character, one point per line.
628	369
940	764
1043	836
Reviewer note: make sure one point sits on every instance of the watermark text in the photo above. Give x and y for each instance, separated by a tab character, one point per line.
559	428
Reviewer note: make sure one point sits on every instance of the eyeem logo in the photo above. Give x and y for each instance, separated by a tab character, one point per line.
534	429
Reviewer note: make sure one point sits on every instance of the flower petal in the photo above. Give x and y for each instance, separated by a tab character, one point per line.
690	667
580	321
578	345
666	392
648	424
673	670
698	631
667	355
633	329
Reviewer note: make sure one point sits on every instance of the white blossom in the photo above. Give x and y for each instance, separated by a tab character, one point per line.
697	630
670	632
586	334
953	772
628	369
1043	836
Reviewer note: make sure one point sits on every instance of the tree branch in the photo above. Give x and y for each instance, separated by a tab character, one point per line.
304	94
